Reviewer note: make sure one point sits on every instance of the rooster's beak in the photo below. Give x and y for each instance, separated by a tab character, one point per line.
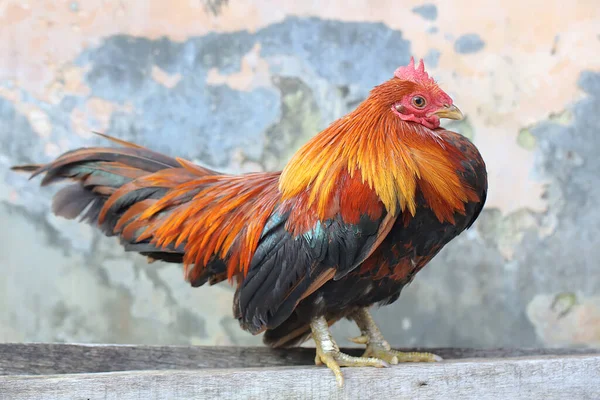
450	112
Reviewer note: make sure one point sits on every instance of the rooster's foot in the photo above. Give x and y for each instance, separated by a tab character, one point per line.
328	352
378	347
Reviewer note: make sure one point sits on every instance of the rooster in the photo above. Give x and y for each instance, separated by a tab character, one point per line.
353	216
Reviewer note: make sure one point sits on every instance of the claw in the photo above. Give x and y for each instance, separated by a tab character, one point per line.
362	339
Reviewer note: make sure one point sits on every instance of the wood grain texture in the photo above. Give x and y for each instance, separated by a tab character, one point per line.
55	358
549	377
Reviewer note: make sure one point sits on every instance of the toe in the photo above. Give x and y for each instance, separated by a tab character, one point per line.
381	363
318	360
417	357
359	339
331	363
337	371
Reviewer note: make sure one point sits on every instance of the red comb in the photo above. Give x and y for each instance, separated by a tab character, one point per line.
410	73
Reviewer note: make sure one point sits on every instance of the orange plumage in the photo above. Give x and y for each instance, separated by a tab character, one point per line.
349	221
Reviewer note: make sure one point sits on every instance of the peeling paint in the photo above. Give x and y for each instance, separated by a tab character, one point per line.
469	43
566	319
507	232
40	122
427	11
162	77
300	119
526	139
94	115
564	118
254	72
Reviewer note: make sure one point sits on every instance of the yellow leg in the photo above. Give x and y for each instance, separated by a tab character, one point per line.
329	353
378	347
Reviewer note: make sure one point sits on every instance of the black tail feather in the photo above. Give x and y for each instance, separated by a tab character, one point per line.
26	168
71	201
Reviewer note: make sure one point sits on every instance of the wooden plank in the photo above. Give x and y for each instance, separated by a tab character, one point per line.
550	377
56	358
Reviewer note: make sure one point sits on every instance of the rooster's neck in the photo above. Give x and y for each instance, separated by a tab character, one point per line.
394	158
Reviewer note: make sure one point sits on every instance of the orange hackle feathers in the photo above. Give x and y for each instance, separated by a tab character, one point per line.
392	157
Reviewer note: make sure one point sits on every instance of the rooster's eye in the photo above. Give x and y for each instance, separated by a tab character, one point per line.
418	101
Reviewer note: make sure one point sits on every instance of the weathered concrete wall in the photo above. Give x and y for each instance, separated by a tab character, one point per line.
240	87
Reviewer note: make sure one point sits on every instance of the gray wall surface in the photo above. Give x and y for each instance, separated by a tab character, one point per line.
239	86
